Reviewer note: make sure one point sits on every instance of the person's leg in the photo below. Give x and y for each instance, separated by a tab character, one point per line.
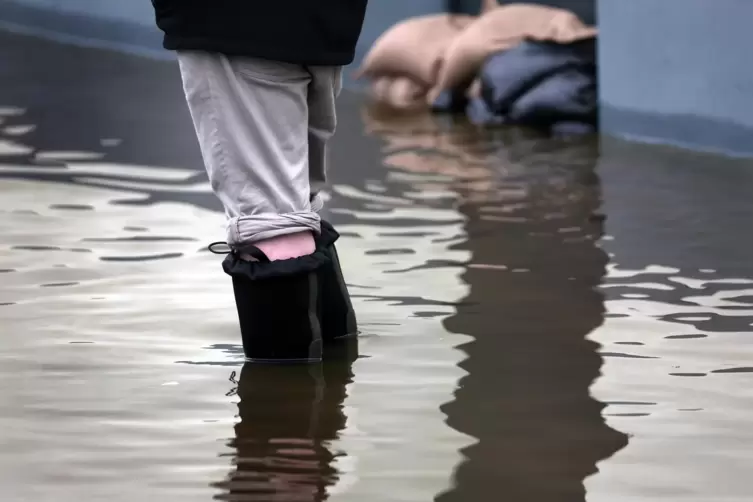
251	120
325	87
336	312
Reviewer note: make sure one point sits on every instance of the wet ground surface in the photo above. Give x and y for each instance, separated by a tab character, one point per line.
543	320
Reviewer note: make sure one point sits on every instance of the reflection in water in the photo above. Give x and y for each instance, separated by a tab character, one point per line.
526	397
289	416
532	231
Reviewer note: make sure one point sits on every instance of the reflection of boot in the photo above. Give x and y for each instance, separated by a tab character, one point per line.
336	314
289	415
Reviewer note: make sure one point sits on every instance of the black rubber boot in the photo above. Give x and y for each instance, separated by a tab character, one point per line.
336	314
278	307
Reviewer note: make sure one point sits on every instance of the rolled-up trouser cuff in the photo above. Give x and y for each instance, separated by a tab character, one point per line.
253	118
246	230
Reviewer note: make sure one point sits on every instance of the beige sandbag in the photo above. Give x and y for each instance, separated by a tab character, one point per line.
414	47
500	29
400	93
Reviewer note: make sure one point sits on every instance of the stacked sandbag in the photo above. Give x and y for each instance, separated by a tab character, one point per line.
405	61
500	29
434	61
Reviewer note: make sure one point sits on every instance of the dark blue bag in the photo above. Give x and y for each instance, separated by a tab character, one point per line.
541	83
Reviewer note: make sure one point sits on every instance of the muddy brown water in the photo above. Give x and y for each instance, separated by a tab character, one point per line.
543	320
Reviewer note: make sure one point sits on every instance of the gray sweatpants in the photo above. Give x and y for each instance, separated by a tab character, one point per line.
263	128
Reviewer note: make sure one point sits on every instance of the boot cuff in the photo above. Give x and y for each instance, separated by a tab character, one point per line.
234	266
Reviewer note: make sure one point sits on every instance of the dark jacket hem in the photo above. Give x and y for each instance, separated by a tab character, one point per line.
312	57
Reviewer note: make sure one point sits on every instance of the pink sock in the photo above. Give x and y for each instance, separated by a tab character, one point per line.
286	247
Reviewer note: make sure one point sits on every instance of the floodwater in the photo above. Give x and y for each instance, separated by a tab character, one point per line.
542	320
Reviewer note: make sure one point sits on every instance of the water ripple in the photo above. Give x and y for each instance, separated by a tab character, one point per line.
494	362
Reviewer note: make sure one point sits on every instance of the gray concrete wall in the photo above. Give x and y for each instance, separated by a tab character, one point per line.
678	71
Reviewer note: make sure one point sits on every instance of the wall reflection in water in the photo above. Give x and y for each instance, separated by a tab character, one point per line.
533	224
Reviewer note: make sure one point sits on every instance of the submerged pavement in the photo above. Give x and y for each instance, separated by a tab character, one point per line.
543	320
